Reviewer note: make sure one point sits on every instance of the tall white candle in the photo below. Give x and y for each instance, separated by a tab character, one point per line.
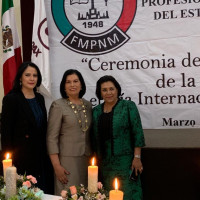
11	176
6	163
92	178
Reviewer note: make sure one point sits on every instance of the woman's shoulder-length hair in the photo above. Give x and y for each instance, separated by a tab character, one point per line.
21	69
104	79
63	81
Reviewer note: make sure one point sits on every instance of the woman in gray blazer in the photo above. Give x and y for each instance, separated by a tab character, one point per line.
68	132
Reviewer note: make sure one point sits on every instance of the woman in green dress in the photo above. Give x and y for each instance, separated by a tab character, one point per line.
117	138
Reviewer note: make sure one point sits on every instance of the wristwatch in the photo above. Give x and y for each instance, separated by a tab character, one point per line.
137	156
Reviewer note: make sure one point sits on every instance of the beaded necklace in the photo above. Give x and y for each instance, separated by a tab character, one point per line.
83	123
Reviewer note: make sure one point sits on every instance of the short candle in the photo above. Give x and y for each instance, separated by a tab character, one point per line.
92	178
116	194
6	163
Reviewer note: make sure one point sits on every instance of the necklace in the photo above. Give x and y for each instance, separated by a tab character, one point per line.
83	123
108	108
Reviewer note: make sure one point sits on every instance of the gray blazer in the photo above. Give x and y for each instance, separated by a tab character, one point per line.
64	135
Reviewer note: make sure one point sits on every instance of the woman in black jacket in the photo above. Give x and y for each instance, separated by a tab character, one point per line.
23	125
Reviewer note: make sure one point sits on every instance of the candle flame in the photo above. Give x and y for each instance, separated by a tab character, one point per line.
7	156
116	184
93	159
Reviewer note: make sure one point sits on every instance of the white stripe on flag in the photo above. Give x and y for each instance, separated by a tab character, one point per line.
11	46
9	19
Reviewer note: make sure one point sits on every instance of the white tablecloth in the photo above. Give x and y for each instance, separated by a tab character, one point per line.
51	197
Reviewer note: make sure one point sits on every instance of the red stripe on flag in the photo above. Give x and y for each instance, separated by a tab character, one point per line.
127	15
18	56
10	68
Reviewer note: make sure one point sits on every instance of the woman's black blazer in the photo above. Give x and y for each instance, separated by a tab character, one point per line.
20	133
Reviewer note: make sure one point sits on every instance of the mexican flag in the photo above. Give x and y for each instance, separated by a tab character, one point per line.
11	46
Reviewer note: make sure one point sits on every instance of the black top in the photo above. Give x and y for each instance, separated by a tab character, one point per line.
37	111
105	127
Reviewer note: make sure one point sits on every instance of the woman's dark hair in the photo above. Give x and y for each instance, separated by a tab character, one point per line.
104	79
16	84
62	84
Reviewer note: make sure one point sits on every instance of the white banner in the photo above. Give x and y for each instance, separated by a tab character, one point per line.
40	46
150	47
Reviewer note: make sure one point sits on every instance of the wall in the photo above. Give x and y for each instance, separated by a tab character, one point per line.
171	174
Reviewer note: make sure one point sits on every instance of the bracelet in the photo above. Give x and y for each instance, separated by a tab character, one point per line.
137	156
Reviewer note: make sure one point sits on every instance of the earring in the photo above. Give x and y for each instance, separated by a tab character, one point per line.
20	82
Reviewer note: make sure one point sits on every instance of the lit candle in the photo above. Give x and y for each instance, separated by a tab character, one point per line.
92	178
6	163
11	182
116	194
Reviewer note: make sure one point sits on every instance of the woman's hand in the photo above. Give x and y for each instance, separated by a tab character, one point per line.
61	174
60	171
137	164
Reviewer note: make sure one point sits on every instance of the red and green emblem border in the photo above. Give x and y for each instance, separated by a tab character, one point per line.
65	27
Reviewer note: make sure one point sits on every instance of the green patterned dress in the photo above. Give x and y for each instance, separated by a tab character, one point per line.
115	135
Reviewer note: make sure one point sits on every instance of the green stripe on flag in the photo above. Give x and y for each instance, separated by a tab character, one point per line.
6	4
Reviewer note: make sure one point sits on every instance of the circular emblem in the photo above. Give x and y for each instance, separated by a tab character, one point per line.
43	33
93	27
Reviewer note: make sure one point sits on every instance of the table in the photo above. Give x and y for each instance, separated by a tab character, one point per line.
51	197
